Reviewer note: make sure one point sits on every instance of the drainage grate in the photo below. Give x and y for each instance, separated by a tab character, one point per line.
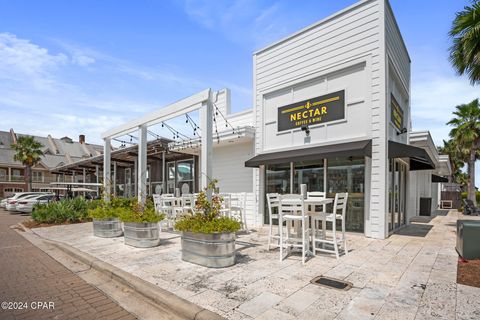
332	283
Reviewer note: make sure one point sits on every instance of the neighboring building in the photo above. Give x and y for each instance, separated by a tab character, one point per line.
57	152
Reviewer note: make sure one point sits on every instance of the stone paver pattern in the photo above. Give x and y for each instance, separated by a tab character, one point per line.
410	275
30	277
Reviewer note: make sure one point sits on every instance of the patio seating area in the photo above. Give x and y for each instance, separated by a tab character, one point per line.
233	205
403	277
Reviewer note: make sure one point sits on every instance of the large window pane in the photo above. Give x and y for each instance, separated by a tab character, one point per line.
309	173
277	180
348	175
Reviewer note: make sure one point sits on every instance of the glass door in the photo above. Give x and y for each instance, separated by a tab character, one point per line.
397	194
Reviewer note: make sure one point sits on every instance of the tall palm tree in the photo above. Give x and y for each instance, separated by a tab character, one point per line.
466	135
28	152
465	50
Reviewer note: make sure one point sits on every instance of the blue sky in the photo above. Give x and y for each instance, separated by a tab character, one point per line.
71	67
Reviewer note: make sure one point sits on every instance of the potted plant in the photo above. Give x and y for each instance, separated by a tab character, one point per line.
106	223
141	227
208	239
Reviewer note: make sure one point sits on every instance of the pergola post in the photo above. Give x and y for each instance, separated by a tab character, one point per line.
114	178
106	169
97	178
142	164
164	179
206	119
84	180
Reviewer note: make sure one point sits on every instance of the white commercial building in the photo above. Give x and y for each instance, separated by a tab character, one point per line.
331	109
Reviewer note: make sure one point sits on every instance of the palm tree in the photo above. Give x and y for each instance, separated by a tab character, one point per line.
28	152
466	136
465	50
456	157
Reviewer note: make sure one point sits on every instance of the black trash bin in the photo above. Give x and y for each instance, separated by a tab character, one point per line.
425	206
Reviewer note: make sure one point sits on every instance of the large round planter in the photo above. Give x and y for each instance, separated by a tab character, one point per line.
142	234
108	228
213	250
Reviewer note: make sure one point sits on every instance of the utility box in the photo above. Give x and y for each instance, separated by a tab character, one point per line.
468	239
425	206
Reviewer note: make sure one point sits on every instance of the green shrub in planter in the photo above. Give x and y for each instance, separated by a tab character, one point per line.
103	212
138	213
207	218
208	239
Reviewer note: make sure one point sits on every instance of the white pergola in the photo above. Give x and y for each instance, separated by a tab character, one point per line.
201	101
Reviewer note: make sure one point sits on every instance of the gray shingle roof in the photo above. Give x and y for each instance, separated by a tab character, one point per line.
51	159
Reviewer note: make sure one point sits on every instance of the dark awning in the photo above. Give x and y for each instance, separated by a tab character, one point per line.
436	178
349	149
419	158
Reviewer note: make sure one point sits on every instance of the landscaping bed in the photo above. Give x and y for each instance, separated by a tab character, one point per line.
30	224
468	273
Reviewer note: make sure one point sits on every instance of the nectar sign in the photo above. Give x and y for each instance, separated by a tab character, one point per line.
313	111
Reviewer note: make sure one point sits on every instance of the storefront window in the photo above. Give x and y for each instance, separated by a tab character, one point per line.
309	173
348	175
277	180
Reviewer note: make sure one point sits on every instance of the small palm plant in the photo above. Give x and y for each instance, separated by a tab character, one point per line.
27	151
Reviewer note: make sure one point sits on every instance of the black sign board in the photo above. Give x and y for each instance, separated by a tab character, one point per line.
313	111
396	115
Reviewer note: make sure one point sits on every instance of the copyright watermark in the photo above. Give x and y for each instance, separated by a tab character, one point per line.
24	305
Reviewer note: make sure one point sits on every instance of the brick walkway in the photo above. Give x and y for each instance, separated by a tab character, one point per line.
28	275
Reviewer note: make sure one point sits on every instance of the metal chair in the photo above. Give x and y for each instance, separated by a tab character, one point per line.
292	210
340	203
273	202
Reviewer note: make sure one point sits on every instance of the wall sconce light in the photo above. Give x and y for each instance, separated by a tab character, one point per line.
404	130
307	130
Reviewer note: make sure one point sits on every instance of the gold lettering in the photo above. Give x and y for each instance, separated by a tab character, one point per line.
324	110
293	117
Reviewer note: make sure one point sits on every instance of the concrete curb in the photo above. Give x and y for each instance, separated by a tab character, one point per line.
166	300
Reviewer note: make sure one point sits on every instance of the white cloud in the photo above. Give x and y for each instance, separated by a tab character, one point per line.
240	21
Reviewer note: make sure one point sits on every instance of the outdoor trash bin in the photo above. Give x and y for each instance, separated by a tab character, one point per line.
425	206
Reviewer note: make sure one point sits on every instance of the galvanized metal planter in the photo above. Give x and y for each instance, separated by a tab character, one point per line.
142	234
109	228
214	250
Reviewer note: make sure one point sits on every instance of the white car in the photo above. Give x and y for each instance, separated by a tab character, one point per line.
11	202
26	204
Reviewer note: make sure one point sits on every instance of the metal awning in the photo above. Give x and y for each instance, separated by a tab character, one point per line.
349	149
419	158
437	178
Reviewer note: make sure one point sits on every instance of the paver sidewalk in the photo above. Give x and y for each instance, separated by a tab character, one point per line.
28	275
411	275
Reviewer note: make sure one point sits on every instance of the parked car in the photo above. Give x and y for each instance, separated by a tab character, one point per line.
11	202
27	204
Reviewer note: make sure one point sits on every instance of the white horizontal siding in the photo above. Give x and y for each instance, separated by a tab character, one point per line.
396	49
228	167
